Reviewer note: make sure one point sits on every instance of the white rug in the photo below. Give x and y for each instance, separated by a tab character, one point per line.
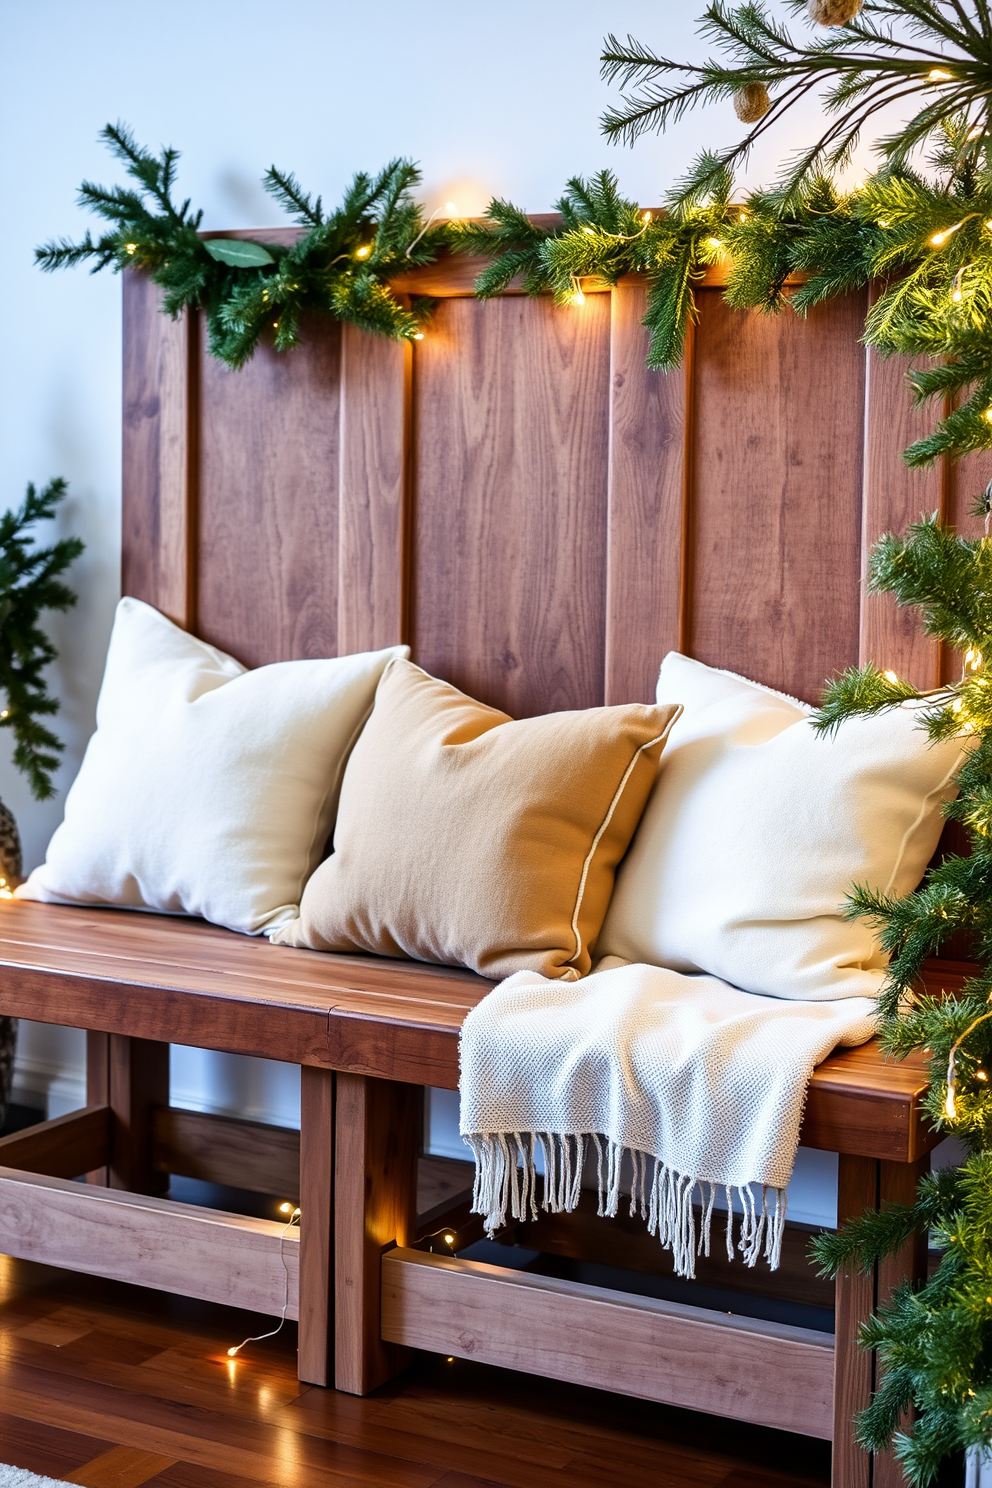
19	1477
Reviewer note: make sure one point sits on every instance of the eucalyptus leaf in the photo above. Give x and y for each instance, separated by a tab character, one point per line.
239	253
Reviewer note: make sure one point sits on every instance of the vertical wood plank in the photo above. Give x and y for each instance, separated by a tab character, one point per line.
857	1189
647	486
377	1139
269	466
159	453
894	496
776	492
316	1222
376	410
98	1088
138	1081
511	443
897	1185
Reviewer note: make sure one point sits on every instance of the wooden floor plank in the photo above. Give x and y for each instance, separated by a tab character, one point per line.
121	1467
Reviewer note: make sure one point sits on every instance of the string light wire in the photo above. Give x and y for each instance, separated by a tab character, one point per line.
294	1218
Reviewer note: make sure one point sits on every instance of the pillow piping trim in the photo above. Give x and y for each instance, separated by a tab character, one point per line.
570	974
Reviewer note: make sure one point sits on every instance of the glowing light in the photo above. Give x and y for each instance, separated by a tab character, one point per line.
418	335
950	1105
590	230
714	243
451	209
988	414
363	251
5	713
450	1359
232	1353
131	247
957	297
449	1238
973	659
645	217
890	676
576	297
286	1208
884	224
938	75
981	1075
957	705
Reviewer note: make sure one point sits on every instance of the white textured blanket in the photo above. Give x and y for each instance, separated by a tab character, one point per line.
701	1084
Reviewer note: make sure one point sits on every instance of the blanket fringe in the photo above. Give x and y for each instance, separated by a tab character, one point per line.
506	1187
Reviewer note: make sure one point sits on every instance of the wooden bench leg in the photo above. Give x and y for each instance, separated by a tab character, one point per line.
377	1141
864	1183
131	1076
316	1221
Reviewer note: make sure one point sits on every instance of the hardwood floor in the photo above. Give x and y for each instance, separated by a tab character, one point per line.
111	1386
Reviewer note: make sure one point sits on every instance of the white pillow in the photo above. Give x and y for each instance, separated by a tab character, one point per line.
757	828
207	789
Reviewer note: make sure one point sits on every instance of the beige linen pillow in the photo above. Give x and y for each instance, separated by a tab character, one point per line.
465	837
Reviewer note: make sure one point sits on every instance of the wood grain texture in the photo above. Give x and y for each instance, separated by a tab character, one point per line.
227	1150
151	1242
139	1081
267	559
316	1167
378	1127
64	1147
776	496
98	1092
857	1190
894	496
647	487
744	1368
181	981
376	413
508	588
159	453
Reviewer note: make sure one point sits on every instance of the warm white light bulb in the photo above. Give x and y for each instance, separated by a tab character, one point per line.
890	676
451	209
938	75
950	1105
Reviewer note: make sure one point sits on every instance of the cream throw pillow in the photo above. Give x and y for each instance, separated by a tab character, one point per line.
206	789
758	827
464	837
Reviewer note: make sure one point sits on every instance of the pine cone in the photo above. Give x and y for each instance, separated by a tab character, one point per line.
833	12
751	103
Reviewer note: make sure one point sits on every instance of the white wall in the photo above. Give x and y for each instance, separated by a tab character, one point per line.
490	103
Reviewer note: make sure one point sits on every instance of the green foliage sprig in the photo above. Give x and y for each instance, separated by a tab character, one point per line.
30	584
340	266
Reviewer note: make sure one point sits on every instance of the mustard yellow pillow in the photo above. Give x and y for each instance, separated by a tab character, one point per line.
467	838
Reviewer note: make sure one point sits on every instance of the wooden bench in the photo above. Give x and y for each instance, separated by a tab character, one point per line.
367	1034
541	518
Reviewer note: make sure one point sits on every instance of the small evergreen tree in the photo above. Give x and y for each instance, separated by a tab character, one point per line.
30	584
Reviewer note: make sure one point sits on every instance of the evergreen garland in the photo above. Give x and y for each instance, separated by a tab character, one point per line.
340	266
926	237
30	583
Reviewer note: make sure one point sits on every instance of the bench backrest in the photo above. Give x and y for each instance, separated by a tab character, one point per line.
520	498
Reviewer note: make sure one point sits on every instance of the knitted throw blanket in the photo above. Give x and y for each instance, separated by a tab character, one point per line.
700	1084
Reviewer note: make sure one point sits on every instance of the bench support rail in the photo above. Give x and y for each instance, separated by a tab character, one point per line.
193	1252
